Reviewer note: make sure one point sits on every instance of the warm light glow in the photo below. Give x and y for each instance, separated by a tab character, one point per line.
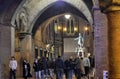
86	28
64	29
59	27
67	16
75	29
55	27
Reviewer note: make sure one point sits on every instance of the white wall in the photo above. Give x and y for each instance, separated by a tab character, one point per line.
70	44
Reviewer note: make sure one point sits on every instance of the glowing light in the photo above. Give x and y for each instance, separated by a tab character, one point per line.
75	29
86	28
59	27
64	29
67	16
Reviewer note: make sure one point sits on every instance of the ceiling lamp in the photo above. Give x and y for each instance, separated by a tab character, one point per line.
67	16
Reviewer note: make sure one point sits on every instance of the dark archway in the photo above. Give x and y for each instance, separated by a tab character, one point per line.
56	8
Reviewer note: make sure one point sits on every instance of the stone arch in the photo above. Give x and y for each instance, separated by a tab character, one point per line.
37	10
40	6
48	8
48	21
43	5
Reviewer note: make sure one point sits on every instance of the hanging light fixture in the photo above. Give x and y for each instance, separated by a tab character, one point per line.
67	16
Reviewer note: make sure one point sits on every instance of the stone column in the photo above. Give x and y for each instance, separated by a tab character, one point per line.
112	10
114	44
6	48
100	43
28	50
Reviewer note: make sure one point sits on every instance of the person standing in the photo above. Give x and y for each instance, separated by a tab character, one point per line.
82	67
51	68
86	65
39	68
44	68
66	68
13	67
35	67
59	68
77	67
29	70
70	68
25	69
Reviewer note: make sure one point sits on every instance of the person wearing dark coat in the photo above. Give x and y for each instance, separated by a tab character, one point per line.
70	68
77	67
44	68
51	65
59	68
35	67
26	69
39	68
66	68
29	69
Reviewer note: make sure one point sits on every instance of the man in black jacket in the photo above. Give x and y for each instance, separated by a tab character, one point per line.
59	68
77	67
35	67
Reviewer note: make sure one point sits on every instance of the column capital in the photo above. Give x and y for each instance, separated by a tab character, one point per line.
109	5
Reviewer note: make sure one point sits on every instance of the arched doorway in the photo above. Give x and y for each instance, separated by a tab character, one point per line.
23	26
35	13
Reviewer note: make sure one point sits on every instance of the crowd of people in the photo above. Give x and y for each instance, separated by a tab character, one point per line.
45	68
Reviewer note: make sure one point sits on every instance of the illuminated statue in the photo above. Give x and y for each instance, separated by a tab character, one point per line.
80	48
80	40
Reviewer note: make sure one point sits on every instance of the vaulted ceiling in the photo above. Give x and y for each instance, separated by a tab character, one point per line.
41	10
57	9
